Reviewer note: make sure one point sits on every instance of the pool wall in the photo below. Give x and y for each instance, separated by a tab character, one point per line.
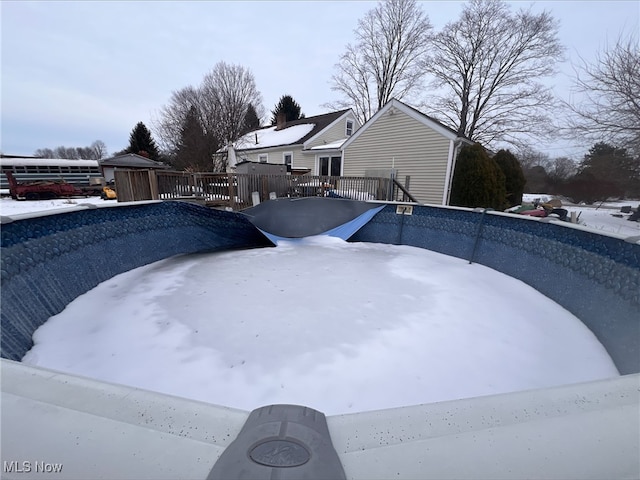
48	261
594	276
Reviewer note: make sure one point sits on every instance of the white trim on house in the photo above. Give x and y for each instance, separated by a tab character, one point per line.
330	156
346	127
264	156
329	146
451	168
448	175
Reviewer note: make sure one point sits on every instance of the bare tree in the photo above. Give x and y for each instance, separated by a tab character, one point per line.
172	117
530	158
226	92
44	153
99	150
220	104
488	65
354	81
609	109
95	151
561	168
387	59
70	153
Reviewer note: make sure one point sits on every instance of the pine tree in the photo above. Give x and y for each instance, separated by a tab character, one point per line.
513	176
288	108
142	143
194	149
613	167
251	120
477	180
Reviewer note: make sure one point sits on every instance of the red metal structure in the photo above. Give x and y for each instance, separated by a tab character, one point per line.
42	189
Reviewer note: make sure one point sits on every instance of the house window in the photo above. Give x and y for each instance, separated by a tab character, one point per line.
349	128
263	157
288	159
329	166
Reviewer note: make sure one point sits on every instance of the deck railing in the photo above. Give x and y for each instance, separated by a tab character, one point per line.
239	191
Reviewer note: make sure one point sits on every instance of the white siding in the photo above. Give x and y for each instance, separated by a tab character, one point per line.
308	160
407	145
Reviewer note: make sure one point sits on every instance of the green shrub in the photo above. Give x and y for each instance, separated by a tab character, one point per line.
514	180
478	181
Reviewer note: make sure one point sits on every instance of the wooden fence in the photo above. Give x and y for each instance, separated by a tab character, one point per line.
239	191
133	185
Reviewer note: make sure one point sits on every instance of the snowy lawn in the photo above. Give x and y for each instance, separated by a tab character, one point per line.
9	207
603	217
608	219
336	326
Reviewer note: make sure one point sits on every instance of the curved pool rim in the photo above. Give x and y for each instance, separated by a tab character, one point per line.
49	260
101	430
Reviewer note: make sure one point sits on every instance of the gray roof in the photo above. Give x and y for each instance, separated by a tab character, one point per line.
320	122
132	160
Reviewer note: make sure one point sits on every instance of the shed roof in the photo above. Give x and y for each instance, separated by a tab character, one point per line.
133	161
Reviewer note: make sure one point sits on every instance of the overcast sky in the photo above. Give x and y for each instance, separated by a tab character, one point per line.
78	71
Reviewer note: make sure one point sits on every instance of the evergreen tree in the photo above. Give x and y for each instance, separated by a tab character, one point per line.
477	180
616	172
194	151
586	187
513	176
251	120
288	108
142	143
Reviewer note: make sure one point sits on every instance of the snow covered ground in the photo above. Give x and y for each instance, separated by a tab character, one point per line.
604	218
336	326
9	207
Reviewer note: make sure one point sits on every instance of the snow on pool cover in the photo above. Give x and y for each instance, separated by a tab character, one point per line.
336	326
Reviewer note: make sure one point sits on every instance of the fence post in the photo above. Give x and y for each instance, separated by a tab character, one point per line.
381	187
232	196
153	185
407	179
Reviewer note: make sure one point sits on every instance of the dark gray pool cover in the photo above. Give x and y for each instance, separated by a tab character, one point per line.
304	217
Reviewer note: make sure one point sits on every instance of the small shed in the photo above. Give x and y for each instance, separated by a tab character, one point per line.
129	161
261	176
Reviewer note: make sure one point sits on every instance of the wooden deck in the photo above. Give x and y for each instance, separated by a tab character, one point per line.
239	191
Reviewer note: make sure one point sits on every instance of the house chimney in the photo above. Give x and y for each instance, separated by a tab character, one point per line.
281	121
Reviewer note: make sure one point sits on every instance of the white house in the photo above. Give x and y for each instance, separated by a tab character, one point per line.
397	141
308	145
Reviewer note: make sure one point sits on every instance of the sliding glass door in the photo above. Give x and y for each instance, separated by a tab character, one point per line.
329	166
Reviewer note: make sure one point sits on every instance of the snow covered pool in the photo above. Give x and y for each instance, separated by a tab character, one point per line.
336	326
